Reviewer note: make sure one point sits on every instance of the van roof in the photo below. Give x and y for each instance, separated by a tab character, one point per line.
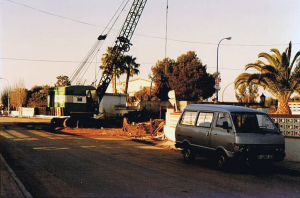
224	108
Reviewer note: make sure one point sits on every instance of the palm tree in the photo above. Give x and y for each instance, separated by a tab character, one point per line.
107	60
279	76
130	68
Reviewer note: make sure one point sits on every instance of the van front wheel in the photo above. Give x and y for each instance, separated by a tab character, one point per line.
222	160
188	154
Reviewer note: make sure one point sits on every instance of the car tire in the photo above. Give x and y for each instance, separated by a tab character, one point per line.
222	160
188	154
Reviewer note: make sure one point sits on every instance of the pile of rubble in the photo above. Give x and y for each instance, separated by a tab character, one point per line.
151	128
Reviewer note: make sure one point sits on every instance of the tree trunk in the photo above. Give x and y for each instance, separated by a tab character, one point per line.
283	108
127	81
113	83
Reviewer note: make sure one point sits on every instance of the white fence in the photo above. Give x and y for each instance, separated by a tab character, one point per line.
289	124
23	112
295	107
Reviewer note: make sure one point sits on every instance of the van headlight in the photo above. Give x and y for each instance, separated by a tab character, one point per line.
239	148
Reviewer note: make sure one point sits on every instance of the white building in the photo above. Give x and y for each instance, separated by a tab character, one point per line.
134	85
295	107
113	105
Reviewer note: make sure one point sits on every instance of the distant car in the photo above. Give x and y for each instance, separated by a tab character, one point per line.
228	132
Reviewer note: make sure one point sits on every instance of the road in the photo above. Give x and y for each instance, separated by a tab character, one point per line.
51	164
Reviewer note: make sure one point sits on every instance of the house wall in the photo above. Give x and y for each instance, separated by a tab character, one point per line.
134	85
295	108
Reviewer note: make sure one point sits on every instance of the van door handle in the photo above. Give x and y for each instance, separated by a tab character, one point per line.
207	133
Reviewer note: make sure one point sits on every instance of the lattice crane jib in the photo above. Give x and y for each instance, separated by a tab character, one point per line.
122	44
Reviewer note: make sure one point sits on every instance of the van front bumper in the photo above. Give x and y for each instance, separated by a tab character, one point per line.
274	153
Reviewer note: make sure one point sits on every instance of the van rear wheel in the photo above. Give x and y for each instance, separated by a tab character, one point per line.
188	154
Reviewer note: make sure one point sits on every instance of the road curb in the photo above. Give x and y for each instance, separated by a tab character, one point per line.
16	179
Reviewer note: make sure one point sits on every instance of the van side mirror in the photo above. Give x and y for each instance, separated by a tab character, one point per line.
226	126
277	126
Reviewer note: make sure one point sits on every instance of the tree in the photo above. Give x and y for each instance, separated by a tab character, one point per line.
144	94
187	76
62	81
109	59
38	96
18	95
279	76
272	104
247	93
4	96
130	68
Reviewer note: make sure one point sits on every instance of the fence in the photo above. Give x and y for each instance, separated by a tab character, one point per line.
289	124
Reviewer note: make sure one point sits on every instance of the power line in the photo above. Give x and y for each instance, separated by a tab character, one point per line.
39	60
62	61
148	36
45	12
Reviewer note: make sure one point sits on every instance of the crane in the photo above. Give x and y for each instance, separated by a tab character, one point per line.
81	101
122	44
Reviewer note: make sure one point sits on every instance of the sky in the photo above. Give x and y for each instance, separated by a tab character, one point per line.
42	39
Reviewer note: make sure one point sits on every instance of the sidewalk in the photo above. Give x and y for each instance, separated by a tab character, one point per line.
289	167
11	186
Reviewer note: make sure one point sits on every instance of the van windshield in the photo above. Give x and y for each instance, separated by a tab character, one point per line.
253	123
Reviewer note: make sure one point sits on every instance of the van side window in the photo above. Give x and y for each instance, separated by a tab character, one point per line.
189	118
205	119
222	117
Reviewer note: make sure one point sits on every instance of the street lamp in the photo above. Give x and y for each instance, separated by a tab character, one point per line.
262	100
7	93
217	77
225	89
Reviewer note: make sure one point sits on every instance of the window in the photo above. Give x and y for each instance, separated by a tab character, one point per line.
264	122
222	117
253	123
188	118
205	119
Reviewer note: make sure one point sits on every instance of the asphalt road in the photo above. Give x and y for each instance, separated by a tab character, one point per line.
62	165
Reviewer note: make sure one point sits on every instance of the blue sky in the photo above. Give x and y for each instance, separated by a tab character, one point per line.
50	45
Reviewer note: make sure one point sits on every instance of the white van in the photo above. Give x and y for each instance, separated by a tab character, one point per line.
228	132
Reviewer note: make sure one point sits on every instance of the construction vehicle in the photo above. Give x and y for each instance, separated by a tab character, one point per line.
83	101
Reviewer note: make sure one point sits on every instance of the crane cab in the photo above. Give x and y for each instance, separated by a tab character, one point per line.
74	101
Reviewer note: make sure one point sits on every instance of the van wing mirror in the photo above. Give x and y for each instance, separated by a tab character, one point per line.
277	126
225	125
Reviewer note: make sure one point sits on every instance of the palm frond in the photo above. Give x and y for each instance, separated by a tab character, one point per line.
296	57
295	78
277	53
269	69
259	62
258	67
241	79
269	58
288	51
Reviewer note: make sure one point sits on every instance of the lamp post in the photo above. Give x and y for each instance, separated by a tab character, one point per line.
224	91
7	94
217	77
262	100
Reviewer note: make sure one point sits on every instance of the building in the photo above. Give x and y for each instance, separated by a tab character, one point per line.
134	86
295	107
